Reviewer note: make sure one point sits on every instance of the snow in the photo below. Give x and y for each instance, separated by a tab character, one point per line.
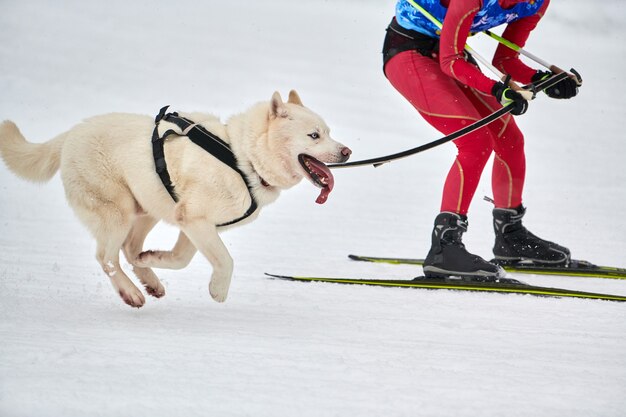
70	347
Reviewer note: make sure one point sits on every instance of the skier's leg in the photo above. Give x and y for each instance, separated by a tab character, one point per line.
513	243
442	103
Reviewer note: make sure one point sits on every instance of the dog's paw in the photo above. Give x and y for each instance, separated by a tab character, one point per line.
219	289
145	259
157	291
150	281
133	297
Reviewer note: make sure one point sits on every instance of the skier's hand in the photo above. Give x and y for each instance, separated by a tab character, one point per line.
566	88
506	96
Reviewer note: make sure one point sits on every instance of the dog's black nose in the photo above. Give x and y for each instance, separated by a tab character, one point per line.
346	152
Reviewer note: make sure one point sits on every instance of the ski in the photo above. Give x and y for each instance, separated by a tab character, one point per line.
576	268
502	285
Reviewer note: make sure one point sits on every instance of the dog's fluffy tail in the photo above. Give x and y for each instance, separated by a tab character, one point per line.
36	162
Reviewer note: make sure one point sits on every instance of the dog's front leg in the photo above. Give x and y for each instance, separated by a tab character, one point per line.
205	237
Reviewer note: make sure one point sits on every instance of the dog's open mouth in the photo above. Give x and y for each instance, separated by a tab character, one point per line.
319	174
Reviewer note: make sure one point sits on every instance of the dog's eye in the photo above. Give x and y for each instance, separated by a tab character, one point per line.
314	135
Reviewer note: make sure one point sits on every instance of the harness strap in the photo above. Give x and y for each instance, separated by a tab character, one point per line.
399	39
207	141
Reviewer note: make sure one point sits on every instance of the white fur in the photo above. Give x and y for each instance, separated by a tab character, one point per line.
108	173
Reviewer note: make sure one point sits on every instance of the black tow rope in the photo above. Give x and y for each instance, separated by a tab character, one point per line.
203	138
376	162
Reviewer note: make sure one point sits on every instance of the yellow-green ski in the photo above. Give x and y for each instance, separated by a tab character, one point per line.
503	285
576	268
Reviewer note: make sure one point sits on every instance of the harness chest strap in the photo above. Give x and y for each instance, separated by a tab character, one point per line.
203	138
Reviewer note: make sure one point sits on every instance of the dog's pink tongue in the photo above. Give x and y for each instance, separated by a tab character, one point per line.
329	182
321	199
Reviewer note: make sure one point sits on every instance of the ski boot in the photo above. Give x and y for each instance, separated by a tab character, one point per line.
516	245
449	258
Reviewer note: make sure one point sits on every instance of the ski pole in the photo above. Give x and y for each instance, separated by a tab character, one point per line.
528	95
533	57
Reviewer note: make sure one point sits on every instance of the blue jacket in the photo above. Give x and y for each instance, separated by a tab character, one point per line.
489	16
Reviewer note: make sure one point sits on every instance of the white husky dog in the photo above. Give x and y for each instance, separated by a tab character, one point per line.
108	172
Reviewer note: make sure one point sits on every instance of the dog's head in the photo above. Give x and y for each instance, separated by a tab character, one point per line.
302	140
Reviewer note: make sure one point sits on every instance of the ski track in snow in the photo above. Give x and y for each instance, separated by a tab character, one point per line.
70	347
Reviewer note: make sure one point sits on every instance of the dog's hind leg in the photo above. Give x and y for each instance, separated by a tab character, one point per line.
103	202
178	258
133	246
110	223
204	236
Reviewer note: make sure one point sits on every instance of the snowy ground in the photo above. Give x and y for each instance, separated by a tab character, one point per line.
70	347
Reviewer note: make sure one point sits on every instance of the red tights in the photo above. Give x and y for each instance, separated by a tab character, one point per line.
449	106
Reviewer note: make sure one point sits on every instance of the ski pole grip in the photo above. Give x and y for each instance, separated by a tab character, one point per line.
555	69
573	74
526	94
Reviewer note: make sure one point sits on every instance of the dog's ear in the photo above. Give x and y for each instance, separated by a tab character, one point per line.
277	107
294	98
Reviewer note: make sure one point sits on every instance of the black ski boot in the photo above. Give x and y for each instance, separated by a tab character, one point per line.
449	258
515	244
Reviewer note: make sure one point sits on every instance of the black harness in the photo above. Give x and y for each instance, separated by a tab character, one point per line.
203	138
399	39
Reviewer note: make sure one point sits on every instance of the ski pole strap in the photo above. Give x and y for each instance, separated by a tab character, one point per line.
376	162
